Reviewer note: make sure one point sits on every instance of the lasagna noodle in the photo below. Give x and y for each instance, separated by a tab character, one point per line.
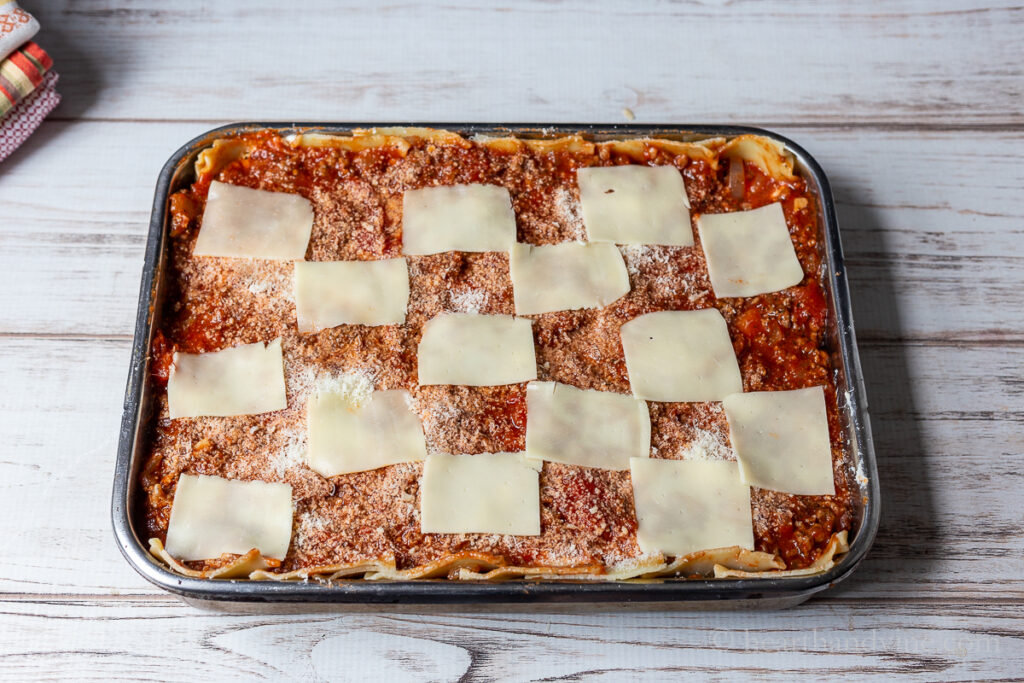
734	562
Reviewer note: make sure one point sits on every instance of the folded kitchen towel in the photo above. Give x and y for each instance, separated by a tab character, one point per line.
27	116
16	27
20	74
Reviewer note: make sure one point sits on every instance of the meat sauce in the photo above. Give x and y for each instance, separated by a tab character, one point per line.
780	340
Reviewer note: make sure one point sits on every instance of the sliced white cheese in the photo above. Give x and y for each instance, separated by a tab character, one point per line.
347	438
332	293
476	350
583	427
749	252
567	276
242	380
211	516
457	218
683	506
680	356
242	222
635	205
488	493
781	440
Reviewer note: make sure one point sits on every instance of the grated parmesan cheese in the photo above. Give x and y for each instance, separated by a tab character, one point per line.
468	301
567	209
292	456
641	256
310	524
706	445
355	386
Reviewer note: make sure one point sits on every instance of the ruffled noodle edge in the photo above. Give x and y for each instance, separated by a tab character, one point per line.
719	563
769	155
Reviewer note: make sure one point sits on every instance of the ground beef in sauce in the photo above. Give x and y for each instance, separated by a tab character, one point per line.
587	515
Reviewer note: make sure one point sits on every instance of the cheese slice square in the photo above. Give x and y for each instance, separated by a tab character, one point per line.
681	356
488	493
457	218
331	293
241	222
749	252
211	516
345	438
635	205
476	350
584	427
683	506
781	440
242	380
562	277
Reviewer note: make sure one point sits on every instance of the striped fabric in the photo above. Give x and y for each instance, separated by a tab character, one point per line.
20	74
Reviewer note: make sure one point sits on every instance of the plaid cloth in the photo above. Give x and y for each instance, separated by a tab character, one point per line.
20	74
27	116
16	27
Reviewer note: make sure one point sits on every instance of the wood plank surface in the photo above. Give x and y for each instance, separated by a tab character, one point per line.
808	62
914	109
853	640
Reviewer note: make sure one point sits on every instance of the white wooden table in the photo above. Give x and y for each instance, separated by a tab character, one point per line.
914	110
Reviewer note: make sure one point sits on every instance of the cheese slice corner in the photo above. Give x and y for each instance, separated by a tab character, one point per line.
680	356
749	252
211	516
476	350
473	217
332	293
241	380
566	276
635	204
683	506
240	222
781	440
344	438
487	493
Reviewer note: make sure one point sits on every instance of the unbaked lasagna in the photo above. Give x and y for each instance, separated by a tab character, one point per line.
407	354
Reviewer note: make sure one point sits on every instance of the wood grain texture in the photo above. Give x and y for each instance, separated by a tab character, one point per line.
860	641
914	110
905	62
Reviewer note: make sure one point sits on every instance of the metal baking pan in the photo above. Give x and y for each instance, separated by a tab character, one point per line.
690	593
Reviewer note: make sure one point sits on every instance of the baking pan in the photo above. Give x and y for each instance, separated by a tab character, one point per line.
698	594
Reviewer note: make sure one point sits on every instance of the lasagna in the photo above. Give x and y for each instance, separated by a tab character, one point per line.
407	354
